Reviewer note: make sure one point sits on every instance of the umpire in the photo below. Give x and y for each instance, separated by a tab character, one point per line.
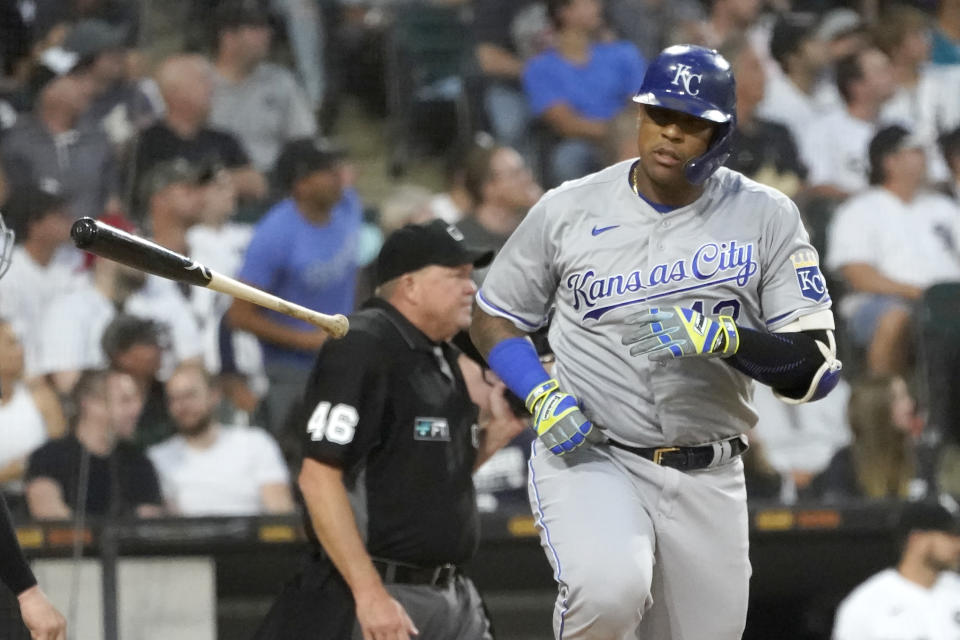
390	448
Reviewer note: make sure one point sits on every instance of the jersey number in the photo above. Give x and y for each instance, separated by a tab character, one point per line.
725	307
336	425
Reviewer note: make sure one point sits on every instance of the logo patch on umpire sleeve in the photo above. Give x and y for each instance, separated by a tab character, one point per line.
431	429
809	276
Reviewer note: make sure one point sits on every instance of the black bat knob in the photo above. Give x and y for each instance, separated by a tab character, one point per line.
83	232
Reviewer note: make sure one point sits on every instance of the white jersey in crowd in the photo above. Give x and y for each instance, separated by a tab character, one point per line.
22	428
72	328
889	607
223	479
784	103
26	292
929	109
222	249
835	151
597	253
802	437
916	243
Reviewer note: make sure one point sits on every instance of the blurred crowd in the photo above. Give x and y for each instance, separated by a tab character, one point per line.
128	394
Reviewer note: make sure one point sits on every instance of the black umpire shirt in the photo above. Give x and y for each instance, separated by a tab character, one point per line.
390	407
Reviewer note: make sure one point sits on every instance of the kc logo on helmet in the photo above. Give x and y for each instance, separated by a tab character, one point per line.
688	79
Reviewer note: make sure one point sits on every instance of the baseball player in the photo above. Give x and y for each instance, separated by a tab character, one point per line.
40	617
673	283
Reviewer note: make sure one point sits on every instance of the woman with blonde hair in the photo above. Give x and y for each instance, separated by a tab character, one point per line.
880	462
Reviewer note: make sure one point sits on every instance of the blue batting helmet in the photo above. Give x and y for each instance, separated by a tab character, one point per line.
699	82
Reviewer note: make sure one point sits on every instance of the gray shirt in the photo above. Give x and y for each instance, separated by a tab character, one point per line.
80	160
263	112
596	253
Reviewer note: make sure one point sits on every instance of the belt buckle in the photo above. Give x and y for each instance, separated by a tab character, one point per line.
658	453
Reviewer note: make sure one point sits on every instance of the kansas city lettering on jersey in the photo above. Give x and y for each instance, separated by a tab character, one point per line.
711	264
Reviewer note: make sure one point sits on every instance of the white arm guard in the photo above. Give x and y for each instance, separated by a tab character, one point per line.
827	376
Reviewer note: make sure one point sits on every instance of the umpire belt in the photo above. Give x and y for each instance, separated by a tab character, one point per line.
399	573
690	458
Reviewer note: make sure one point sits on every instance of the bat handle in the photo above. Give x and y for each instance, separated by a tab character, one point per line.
336	325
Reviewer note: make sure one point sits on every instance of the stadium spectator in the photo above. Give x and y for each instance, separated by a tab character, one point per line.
800	440
834	147
186	84
950	147
578	87
220	243
305	251
118	104
762	150
796	93
72	327
136	346
124	404
653	25
888	244
258	102
115	476
41	222
844	31
918	598
880	462
946	33
503	188
30	412
726	18
53	143
508	33
213	469
923	101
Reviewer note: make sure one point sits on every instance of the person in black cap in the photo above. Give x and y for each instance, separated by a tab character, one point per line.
389	427
304	250
920	598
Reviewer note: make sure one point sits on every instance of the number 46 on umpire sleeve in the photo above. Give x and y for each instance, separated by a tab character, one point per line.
336	425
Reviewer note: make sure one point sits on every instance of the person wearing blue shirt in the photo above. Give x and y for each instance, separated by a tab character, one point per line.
580	86
303	250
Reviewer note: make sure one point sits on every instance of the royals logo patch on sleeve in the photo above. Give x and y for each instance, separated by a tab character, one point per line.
809	277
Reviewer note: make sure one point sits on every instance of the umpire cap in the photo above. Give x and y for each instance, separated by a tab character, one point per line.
415	246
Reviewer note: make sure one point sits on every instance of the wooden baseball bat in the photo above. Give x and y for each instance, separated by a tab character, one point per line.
109	242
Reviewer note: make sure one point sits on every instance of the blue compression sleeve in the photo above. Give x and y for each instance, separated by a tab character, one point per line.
518	365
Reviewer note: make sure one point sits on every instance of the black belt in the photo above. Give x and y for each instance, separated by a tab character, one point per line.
690	458
397	573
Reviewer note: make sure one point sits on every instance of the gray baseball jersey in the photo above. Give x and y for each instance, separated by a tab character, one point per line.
596	252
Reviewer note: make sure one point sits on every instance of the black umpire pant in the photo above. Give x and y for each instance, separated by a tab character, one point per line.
317	605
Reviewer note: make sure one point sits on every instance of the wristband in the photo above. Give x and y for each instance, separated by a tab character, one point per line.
516	362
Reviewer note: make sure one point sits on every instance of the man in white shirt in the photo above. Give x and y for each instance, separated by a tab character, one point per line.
834	147
212	469
41	221
920	598
796	92
889	244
